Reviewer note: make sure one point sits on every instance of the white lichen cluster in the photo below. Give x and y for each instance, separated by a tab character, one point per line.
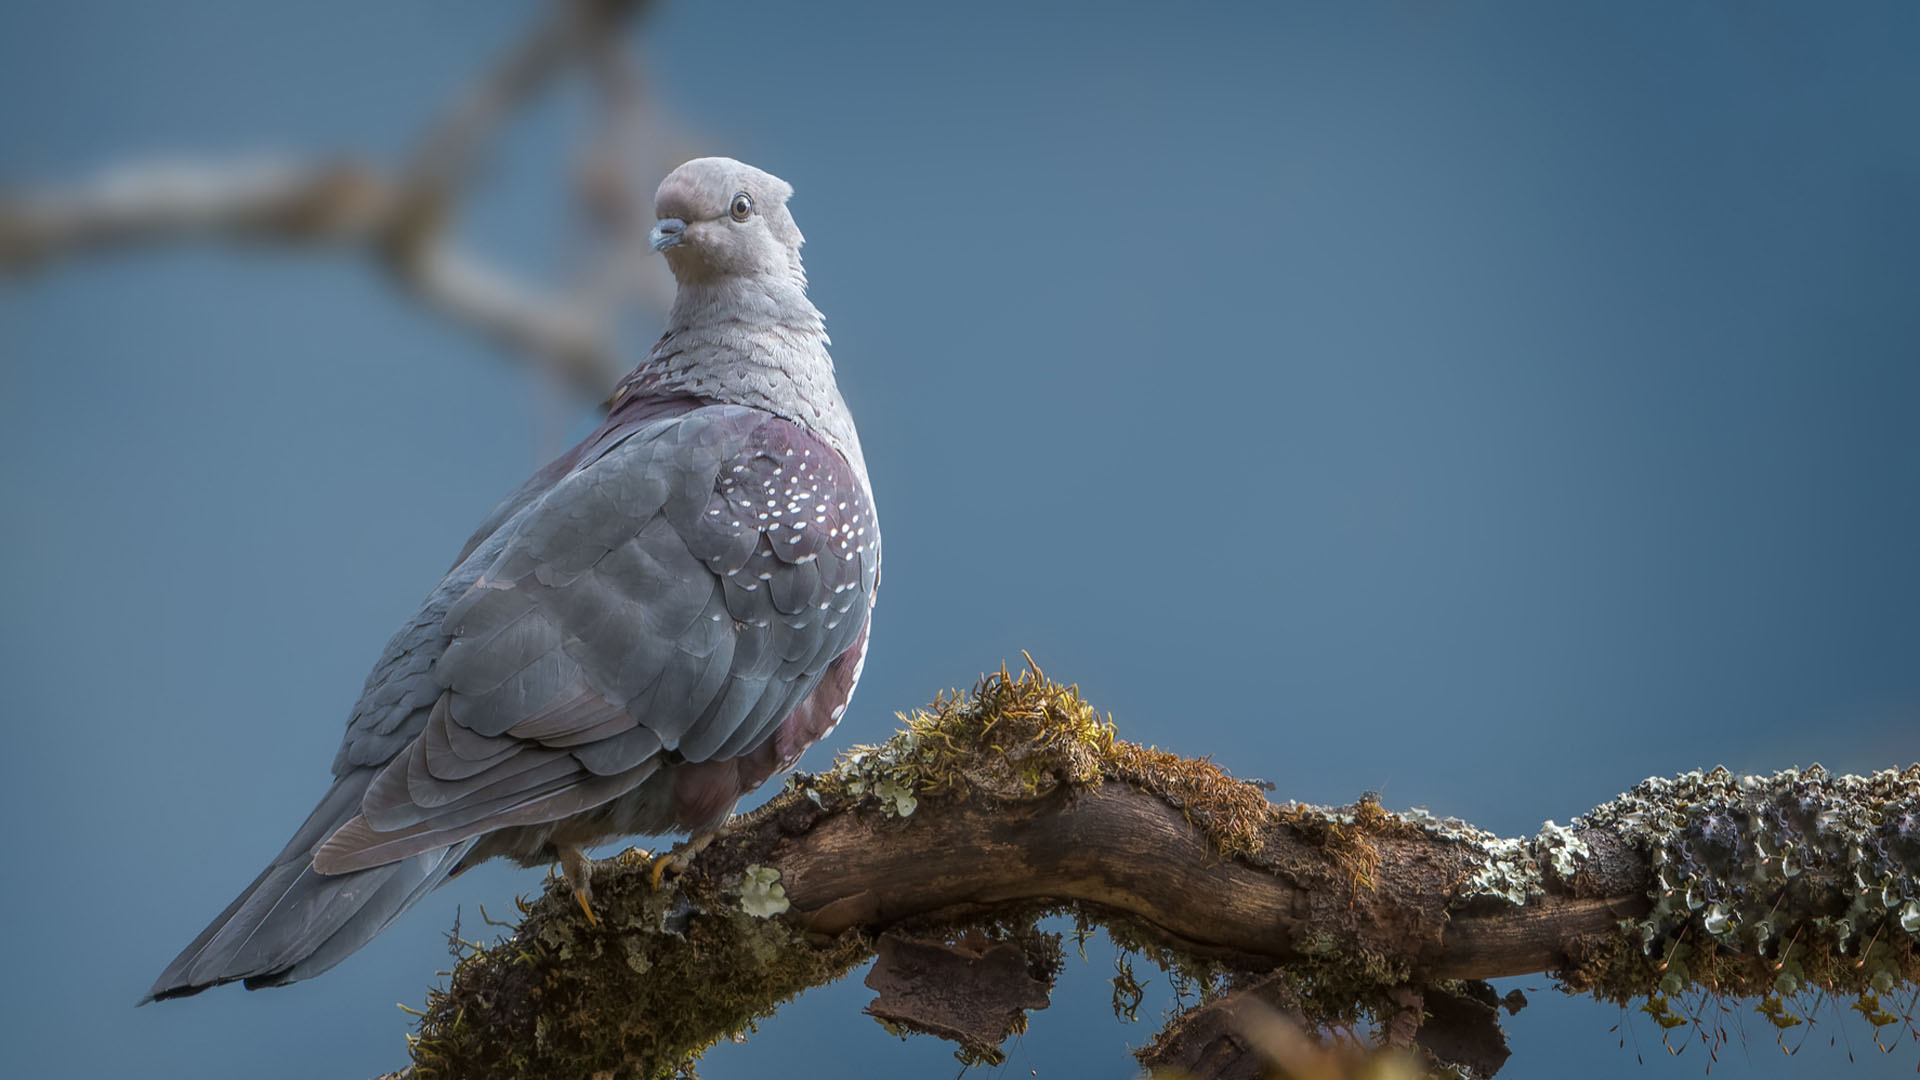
884	772
761	894
1509	873
1727	850
1510	869
1561	849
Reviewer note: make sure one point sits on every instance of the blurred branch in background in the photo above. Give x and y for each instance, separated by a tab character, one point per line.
405	215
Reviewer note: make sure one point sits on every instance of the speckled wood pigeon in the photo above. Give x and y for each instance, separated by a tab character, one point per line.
647	630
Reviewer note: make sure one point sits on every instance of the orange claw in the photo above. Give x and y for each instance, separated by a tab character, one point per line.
579	872
682	857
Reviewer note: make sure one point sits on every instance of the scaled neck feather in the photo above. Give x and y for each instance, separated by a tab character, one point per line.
754	341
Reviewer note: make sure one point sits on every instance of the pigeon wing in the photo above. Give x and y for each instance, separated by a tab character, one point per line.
672	598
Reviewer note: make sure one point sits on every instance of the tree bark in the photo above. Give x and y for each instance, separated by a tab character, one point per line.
993	809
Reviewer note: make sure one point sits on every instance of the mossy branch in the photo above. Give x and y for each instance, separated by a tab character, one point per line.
944	844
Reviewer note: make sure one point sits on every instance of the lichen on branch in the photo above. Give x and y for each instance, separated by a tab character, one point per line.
1780	888
994	808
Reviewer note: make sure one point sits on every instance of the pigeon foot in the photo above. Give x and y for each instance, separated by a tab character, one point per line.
578	870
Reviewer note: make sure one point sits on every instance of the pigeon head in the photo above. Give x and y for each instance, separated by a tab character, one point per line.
722	218
741	330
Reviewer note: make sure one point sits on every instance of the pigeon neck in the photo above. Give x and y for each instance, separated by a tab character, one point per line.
754	342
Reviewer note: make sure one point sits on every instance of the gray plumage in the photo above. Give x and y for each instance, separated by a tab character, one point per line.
642	633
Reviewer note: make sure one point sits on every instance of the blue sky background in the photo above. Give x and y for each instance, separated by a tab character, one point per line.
1489	405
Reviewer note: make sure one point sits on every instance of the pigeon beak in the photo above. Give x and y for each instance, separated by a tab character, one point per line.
666	233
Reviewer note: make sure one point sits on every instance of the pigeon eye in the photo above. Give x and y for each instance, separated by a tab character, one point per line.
742	207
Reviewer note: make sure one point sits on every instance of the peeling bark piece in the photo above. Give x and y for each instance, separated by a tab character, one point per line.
974	991
1463	1029
1212	1040
1258	1033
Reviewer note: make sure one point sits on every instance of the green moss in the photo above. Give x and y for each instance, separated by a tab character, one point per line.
1022	736
1775	888
1019	736
685	967
1345	835
1013	737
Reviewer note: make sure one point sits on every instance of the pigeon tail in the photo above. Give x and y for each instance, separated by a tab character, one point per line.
293	922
